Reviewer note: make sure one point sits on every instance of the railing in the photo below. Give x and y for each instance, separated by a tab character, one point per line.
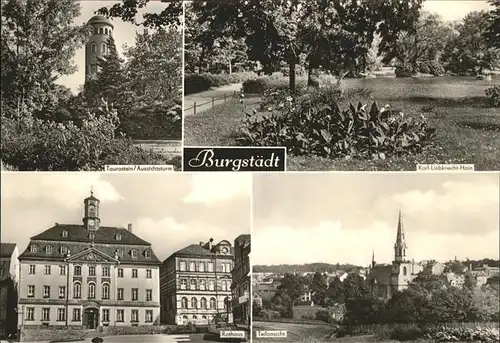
212	101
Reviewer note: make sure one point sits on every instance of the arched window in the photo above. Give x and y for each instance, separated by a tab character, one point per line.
194	316
103	48
64	233
48	249
227	303
194	302
203	317
77	271
105	30
96	31
118	237
93	47
203	303
91	294
77	290
133	253
105	291
147	254
404	271
34	248
212	303
64	249
119	252
101	31
184	302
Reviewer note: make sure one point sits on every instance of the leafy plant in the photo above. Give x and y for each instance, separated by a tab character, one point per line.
447	334
315	125
493	94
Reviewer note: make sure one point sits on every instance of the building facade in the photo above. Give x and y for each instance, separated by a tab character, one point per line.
387	279
9	279
241	280
195	284
88	275
98	44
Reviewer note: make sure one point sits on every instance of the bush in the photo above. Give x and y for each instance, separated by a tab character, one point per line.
97	340
262	84
316	125
402	333
195	83
28	143
447	334
324	316
403	72
493	94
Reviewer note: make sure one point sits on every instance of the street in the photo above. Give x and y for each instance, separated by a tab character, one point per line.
196	337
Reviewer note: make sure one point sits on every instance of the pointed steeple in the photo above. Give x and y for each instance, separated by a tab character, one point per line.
373	258
400	245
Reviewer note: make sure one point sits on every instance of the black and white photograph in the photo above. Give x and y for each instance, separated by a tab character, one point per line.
376	257
383	85
91	83
124	257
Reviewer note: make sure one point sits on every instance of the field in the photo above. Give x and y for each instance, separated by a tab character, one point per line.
468	131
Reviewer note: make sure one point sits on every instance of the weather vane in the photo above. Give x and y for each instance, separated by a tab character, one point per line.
91	189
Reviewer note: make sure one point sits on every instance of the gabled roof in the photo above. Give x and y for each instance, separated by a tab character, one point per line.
78	233
196	250
381	274
6	249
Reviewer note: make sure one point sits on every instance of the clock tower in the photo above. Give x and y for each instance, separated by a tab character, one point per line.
91	213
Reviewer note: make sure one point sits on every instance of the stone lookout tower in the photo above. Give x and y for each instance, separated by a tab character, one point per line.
97	45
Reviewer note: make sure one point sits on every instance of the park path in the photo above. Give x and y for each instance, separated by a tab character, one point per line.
206	97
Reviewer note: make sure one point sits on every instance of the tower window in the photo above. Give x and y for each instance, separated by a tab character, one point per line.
64	233
103	48
101	31
93	47
91	235
96	31
106	30
405	271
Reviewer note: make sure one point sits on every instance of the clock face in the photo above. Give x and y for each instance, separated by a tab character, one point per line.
91	222
225	250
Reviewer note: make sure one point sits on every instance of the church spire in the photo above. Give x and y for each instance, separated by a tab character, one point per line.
400	245
373	258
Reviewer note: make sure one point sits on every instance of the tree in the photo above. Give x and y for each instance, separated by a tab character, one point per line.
355	286
335	292
492	33
469	281
451	305
293	286
428	282
38	41
318	288
407	306
469	52
486	304
127	10
365	310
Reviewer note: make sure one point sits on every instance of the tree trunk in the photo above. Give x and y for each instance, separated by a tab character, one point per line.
291	68
230	67
313	75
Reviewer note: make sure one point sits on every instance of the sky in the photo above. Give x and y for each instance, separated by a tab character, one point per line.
451	10
123	33
342	218
169	210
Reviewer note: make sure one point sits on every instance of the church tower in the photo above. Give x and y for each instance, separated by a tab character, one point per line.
400	245
97	45
91	219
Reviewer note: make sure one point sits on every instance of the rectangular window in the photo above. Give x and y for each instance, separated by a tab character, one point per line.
120	294
135	293
149	316
134	273
148	273
120	272
61	314
120	316
46	291
32	269
31	291
135	316
62	292
182	266
105	315
46	270
105	271
183	284
192	266
46	314
201	267
30	313
149	294
211	285
202	285
210	267
76	315
91	270
62	270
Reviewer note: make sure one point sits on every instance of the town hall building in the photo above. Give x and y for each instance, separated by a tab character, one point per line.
89	275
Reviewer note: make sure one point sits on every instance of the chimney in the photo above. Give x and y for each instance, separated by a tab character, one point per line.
201	244
130	227
210	243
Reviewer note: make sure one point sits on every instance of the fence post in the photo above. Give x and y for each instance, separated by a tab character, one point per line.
225	97
213	102
194	107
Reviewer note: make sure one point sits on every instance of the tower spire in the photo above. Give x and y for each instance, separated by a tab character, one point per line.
91	190
373	258
400	245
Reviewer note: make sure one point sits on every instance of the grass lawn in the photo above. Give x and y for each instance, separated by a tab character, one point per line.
468	131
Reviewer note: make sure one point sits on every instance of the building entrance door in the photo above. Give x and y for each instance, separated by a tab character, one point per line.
90	318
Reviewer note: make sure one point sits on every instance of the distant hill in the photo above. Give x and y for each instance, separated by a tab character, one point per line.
303	268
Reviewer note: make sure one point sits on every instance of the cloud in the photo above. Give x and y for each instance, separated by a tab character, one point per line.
214	187
454	196
67	189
